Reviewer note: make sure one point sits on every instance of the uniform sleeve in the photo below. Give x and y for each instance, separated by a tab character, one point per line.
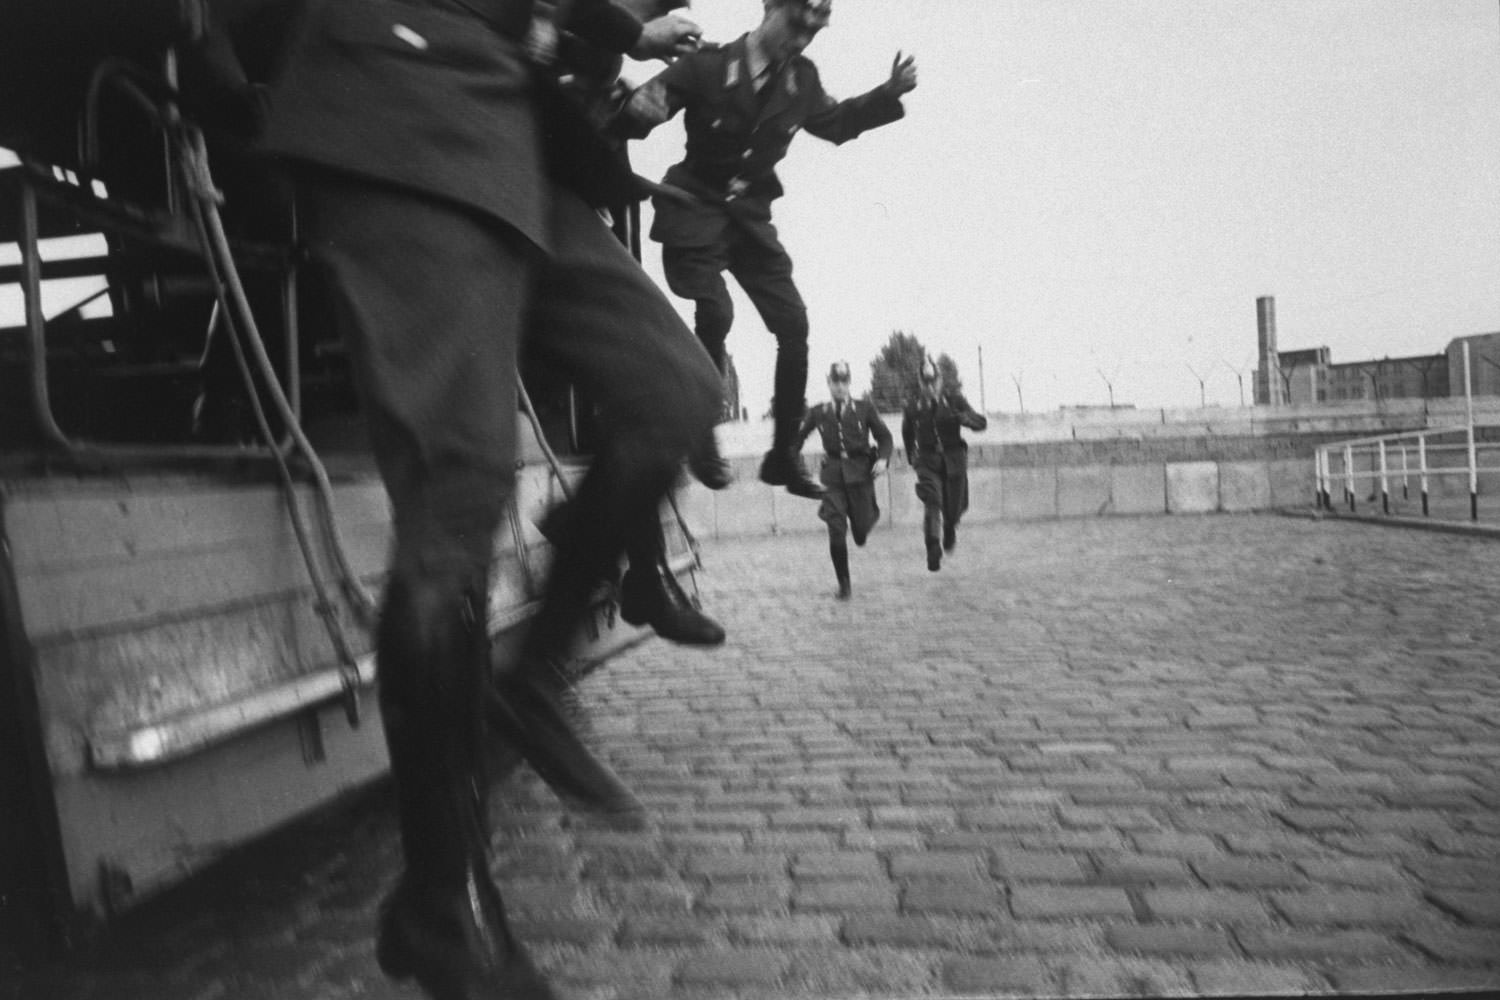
809	421
966	415
658	99
883	442
839	121
909	432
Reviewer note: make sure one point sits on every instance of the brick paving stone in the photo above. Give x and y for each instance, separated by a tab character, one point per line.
783	931
1062	902
1481	908
913	817
1017	865
816	818
1214	978
810	865
730	867
960	865
1024	975
745	897
759	969
1479	945
1234	872
1091	976
1311	945
622	863
1458	873
1141	870
973	897
843	897
1160	940
1356	872
646	895
895	931
1188	846
1206	905
855	971
1052	938
1009	817
882	840
791	841
1352	908
667	930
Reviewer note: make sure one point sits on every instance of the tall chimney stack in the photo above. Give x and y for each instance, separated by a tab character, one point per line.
1270	362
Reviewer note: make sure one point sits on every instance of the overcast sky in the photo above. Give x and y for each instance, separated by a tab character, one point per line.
1087	185
1100	189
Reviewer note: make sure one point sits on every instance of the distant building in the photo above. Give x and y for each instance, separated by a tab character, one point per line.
1484	364
1311	376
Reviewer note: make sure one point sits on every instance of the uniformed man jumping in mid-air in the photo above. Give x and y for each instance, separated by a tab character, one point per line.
744	102
936	450
850	467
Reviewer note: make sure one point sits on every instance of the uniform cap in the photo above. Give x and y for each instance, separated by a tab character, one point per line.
839	371
929	371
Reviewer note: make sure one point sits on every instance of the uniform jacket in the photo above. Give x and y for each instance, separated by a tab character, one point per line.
423	94
736	135
930	428
846	441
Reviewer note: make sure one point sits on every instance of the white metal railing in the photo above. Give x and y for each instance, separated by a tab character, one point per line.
1434	454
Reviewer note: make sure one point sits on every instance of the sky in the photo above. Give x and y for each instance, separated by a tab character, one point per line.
1091	194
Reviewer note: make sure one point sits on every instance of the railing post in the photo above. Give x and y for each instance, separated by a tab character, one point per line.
1318	478
1349	476
1405	475
1422	469
1327	495
1385	485
1469	422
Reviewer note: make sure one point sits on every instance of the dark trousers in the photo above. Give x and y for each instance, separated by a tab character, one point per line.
848	505
435	302
764	271
943	488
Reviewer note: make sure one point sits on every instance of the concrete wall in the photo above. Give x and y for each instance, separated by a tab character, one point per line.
1027	493
1335	420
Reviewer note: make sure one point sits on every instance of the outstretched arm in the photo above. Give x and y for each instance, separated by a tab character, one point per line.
839	121
966	415
903	79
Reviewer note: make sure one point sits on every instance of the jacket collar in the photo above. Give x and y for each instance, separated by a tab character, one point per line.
738	77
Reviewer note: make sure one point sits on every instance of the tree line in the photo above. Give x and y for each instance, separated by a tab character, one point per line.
895	371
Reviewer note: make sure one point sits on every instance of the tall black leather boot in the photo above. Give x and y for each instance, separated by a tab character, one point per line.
444	923
650	594
707	465
782	465
838	551
932	526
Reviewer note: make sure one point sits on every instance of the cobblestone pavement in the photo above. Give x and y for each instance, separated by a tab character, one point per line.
1173	755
